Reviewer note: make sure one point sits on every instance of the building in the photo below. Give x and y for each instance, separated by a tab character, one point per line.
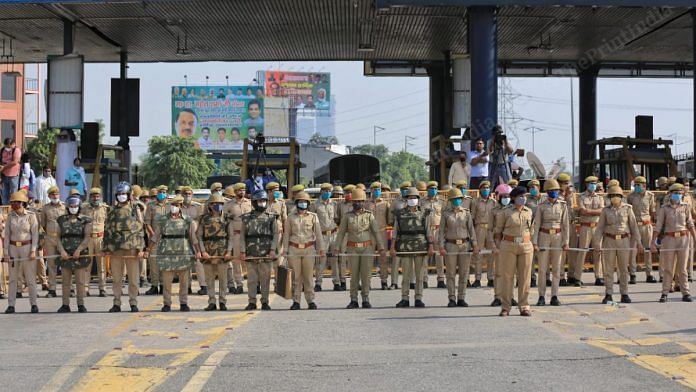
12	102
33	107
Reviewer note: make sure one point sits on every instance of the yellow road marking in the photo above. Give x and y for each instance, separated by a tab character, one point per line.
198	381
65	371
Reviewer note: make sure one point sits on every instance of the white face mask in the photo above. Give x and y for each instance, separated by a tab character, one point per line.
505	201
174	209
55	201
412	202
122	198
187	199
261	204
73	210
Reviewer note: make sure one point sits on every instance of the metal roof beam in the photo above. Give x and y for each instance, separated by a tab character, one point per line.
381	4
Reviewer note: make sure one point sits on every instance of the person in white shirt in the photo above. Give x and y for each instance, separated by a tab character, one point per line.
478	159
43	182
459	170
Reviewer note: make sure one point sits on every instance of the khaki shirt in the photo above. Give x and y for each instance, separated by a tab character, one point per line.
513	222
193	210
643	204
343	209
360	227
234	209
279	208
590	201
481	210
497	210
326	213
456	224
550	215
155	210
49	216
533	203
673	218
97	214
618	220
303	228
380	209
21	227
435	206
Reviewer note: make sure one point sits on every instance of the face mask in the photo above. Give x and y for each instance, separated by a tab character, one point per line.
187	199
456	202
552	194
95	202
348	197
357	206
55	201
161	196
520	201
16	207
277	195
174	210
377	194
485	192
325	195
412	202
432	192
676	197
591	187
217	208
464	191
615	200
534	192
302	205
122	198
74	210
404	192
505	201
261	204
638	188
219	193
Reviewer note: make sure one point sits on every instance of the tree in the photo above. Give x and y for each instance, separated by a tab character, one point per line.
318	140
379	150
402	166
172	161
39	149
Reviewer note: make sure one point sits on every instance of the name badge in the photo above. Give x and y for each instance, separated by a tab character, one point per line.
618	237
300	246
18	244
459	242
552	231
677	234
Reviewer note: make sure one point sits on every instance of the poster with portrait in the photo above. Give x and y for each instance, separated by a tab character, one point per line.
305	90
218	117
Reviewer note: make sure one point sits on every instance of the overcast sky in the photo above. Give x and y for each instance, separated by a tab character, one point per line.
401	104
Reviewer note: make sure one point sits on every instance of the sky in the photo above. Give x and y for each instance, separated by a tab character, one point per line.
400	104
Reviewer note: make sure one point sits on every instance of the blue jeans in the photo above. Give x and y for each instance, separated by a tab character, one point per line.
9	186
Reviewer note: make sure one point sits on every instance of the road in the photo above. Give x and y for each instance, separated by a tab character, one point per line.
580	346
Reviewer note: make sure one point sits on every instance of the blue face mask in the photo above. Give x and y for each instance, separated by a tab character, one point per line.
432	192
485	192
534	192
552	194
217	208
277	195
591	187
377	193
456	202
404	192
325	195
464	191
161	196
675	197
638	188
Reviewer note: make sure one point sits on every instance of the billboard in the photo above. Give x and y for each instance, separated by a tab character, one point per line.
218	117
305	90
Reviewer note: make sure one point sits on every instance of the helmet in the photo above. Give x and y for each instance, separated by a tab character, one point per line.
73	201
338	190
676	187
503	189
215	198
551	185
640	180
302	195
53	190
19	196
358	195
413	192
259	195
613	183
137	190
615	190
563	177
123	187
454	193
421	185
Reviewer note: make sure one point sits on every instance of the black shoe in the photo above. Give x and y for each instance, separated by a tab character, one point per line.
571	281
81	309
425	285
10	310
533	283
548	282
19	295
513	303
419	304
295	306
385	286
412	286
687	298
625	299
102	293
541	301
2	296
632	280
184	308
250	307
34	309
51	294
468	284
663	298
690	280
231	290
462	304
650	279
353	305
190	291
403	304
317	287
258	290
239	290
152	291
563	283
142	282
312	306
64	309
265	306
607	299
555	301
210	307
660	279
87	293
496	302
441	285
452	304
578	283
134	309
115	309
366	305
395	286
599	282
477	283
491	283
222	307
166	308
343	286
203	291
337	287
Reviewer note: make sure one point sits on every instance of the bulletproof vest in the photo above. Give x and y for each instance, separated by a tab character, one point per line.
71	235
259	232
124	228
214	233
411	236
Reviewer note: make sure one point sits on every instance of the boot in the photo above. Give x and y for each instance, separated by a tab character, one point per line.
412	286
102	293
312	306
184	308
513	303
625	299
599	282
663	298
366	305
51	294
650	279
337	287
687	298
496	302
152	291
317	287
343	286
210	307
10	310
265	306
607	299
477	283
384	286
533	283
403	304
166	308
115	309
353	305
452	304
395	286
203	290
34	309
419	304
632	280
462	304
555	301
222	306
295	306
64	309
491	283
563	283
134	309
81	309
541	301
441	285
251	306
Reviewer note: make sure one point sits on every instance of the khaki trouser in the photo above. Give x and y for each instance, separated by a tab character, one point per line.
66	276
616	259
674	263
200	273
384	263
95	247
482	233
50	249
234	273
302	263
646	237
155	274
131	263
690	262
549	259
394	269
412	265
168	278
360	272
259	272
457	263
143	268
41	268
586	238
320	262
338	268
568	258
515	259
26	268
221	271
439	260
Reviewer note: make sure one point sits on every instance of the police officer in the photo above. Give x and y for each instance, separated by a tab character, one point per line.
481	211
568	196
457	236
432	203
325	209
74	231
213	240
234	209
48	221
513	228
502	192
380	209
177	245
533	200
156	211
344	207
590	208
674	218
414	241
97	211
396	205
259	243
290	203
304	241
644	208
124	241
194	210
277	206
550	235
617	231
20	241
140	199
467	200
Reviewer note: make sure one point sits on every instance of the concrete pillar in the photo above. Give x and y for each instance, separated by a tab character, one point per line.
124	140
588	118
483	47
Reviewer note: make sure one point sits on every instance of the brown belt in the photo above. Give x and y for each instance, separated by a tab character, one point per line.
550	231
522	239
327	232
20	243
616	236
97	235
237	231
588	224
460	241
677	234
352	244
301	246
645	222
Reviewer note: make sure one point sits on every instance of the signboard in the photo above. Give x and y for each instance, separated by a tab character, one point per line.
65	86
218	117
305	90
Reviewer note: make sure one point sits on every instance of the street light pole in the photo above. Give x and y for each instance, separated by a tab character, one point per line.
533	130
375	129
407	139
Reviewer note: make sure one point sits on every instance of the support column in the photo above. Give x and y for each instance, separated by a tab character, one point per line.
123	140
483	47
588	118
693	43
68	36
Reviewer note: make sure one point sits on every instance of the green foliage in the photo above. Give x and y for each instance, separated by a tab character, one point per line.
39	149
379	150
173	161
395	167
318	140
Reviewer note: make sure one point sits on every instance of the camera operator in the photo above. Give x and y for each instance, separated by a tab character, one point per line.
478	160
499	151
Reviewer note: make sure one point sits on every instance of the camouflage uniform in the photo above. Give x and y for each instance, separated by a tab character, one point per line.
396	206
213	239
154	212
326	211
413	233
21	237
259	236
435	206
48	221
97	213
124	238
194	210
74	233
234	209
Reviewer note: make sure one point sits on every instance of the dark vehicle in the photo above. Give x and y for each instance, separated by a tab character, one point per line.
349	169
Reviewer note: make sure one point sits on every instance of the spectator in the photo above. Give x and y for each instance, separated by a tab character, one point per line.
459	170
27	178
11	158
478	159
75	178
43	182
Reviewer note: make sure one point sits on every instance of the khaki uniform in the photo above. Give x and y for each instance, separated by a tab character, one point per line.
124	238
194	211
233	210
396	205
675	221
21	237
380	209
48	221
551	230
435	206
326	212
481	212
588	227
644	209
259	236
457	235
568	258
279	208
490	239
143	261
3	268
617	229
514	228
98	215
303	239
74	233
339	274
532	203
154	212
213	239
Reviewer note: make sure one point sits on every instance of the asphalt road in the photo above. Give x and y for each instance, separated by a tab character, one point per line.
580	346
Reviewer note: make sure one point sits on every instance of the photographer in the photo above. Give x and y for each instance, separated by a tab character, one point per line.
478	161
499	151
